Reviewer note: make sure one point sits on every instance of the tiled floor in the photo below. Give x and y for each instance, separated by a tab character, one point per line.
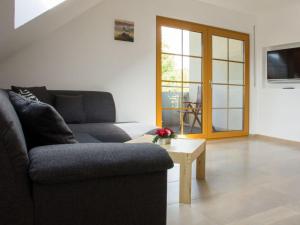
250	181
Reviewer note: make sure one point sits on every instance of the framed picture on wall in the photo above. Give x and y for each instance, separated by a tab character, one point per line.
124	30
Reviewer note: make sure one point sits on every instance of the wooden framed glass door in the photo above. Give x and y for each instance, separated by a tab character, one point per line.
202	80
228	61
181	84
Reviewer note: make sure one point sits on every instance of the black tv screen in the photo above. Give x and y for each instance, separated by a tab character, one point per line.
283	64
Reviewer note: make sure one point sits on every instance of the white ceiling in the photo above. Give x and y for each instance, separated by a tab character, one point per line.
251	6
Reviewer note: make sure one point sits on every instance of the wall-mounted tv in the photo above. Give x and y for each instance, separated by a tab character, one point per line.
283	65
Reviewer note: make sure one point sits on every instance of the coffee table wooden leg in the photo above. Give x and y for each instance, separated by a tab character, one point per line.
185	183
200	168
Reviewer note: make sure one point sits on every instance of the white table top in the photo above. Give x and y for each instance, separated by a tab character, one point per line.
184	146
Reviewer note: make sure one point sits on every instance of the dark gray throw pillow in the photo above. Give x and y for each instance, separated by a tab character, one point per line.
71	108
41	123
40	92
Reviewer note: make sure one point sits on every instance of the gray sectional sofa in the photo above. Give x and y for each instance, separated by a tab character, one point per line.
99	181
100	117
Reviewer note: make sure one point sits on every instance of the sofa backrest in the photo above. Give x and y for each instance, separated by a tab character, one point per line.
15	195
99	107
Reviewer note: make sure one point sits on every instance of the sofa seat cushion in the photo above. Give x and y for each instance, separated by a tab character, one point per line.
105	132
86	138
58	164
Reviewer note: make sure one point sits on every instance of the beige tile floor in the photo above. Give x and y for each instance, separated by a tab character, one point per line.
250	181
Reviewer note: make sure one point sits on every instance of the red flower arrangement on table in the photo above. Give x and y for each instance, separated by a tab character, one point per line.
164	133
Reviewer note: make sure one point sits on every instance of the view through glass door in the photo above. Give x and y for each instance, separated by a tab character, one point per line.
201	80
181	79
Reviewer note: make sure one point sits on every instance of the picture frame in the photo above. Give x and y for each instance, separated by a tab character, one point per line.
124	30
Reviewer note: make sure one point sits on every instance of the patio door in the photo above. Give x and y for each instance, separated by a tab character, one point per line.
229	84
197	94
181	84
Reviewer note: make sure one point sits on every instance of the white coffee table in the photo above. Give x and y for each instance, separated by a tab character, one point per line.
184	152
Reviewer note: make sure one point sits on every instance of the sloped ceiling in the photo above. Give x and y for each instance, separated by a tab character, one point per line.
12	40
253	7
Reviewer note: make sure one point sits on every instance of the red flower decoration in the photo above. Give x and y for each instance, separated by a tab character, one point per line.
164	132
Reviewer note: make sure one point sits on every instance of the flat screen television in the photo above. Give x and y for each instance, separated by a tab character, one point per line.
283	64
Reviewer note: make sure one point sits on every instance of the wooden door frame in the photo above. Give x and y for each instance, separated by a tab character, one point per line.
207	32
194	27
246	101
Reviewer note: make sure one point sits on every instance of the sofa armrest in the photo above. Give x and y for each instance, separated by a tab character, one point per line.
78	162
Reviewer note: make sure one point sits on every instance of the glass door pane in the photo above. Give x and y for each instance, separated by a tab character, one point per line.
228	84
181	80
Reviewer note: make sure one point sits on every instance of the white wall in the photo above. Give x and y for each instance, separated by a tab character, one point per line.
83	54
278	109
